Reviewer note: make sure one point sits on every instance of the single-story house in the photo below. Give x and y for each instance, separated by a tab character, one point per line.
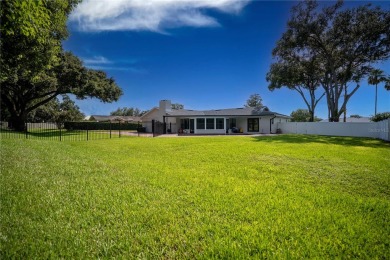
247	120
122	119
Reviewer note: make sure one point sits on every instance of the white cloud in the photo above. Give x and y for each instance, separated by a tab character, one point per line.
102	63
150	15
96	60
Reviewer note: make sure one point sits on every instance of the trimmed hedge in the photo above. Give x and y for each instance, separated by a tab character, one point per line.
100	126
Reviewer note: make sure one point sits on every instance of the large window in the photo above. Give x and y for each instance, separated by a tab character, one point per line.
233	122
220	123
210	123
184	123
253	125
200	123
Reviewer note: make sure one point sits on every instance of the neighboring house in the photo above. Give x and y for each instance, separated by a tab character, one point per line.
220	121
351	120
124	119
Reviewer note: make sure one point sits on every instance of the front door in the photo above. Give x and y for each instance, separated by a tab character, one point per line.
253	125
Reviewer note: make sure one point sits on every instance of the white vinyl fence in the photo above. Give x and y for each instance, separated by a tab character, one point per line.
378	130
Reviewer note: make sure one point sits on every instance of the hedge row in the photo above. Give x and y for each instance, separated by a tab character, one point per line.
100	126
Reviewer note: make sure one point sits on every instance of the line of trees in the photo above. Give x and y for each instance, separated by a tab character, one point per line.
34	67
57	111
127	111
328	52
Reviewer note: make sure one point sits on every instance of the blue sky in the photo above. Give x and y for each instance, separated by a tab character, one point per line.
202	54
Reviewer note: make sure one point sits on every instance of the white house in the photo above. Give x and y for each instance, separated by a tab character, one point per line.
220	121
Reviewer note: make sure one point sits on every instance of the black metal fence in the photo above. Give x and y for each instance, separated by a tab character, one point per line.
73	131
158	128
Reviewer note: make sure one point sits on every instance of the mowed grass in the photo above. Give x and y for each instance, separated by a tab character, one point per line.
203	197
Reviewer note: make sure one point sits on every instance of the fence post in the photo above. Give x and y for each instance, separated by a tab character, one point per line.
26	125
153	130
87	133
60	133
119	129
110	128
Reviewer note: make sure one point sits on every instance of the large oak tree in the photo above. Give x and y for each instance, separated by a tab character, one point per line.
34	68
344	42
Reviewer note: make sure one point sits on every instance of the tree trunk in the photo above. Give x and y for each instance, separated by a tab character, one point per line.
311	119
345	109
376	96
17	122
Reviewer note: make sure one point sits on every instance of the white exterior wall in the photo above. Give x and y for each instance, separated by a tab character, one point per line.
276	122
264	124
372	129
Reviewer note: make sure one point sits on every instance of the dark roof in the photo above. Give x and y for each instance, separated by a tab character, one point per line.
245	111
101	118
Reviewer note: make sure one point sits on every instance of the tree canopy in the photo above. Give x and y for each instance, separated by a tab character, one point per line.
57	111
380	116
254	100
375	77
387	83
34	68
177	106
303	115
299	73
342	43
127	111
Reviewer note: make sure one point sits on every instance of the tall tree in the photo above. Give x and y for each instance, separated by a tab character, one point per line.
346	43
34	68
254	100
376	76
296	73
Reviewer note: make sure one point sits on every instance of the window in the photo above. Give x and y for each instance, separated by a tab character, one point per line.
220	123
184	123
253	125
210	123
200	123
232	122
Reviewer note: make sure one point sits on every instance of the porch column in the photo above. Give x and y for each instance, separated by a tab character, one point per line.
195	126
165	126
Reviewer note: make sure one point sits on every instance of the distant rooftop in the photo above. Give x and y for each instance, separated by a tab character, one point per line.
352	120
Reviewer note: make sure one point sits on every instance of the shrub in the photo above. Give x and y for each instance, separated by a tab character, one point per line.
380	117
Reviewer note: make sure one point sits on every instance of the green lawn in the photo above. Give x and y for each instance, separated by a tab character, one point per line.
204	197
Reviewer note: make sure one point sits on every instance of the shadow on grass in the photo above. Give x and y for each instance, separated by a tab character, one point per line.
302	139
55	134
